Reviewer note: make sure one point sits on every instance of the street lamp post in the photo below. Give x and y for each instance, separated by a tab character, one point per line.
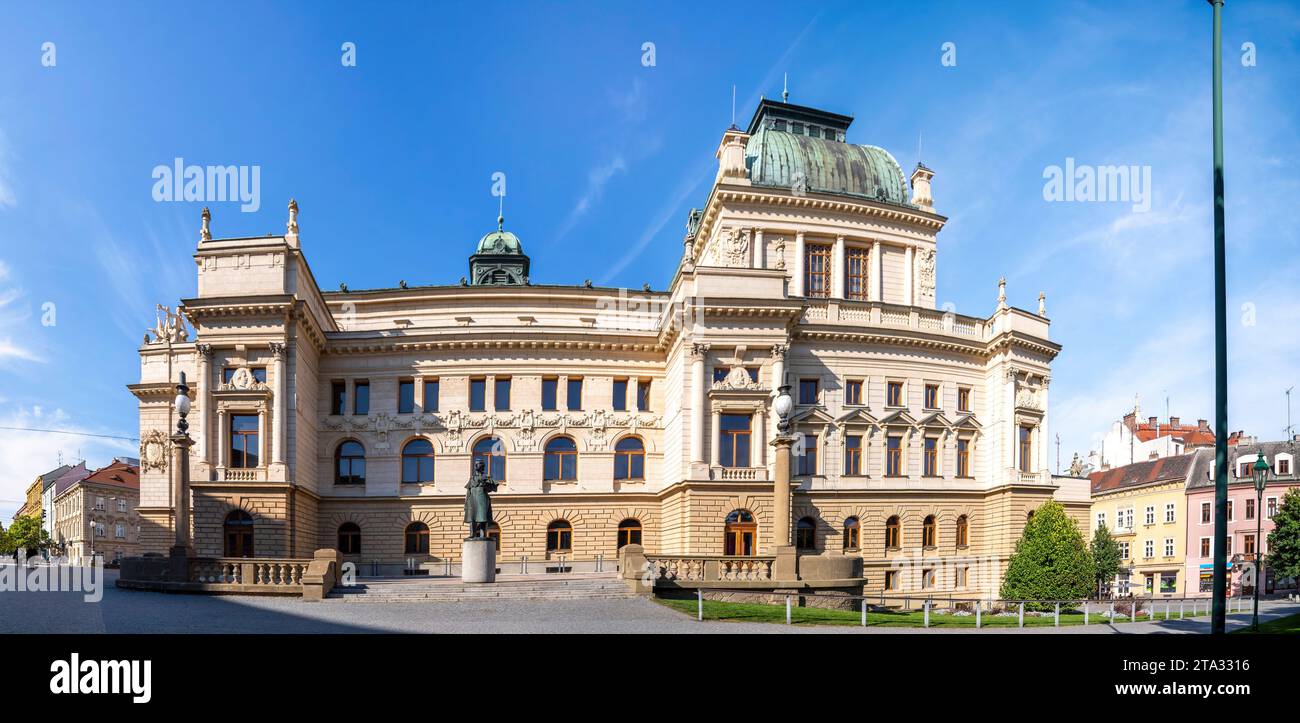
1219	617
1261	480
181	442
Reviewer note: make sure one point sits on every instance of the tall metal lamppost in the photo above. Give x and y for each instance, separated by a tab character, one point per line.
181	444
1261	470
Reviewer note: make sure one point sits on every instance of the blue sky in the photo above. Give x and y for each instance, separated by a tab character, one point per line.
391	163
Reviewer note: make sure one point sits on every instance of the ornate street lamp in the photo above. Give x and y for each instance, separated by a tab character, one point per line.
1261	470
182	405
783	406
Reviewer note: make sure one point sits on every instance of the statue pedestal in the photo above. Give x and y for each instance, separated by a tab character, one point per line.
478	561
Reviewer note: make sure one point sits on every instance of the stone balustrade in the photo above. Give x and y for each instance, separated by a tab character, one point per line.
874	313
247	572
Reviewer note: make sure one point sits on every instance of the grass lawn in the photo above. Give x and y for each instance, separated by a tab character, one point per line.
757	613
1289	625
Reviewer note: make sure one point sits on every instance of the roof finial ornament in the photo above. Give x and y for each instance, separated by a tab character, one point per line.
293	216
785	89
1042	303
1002	293
501	212
205	233
733	106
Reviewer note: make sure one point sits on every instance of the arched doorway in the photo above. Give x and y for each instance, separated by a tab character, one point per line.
741	534
238	530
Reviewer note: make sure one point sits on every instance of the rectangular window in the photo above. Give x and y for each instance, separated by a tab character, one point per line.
853	391
501	394
1149	548
963	460
963	399
1231	518
227	375
243	441
430	395
734	437
807	461
927	579
119	531
1272	507
1283	467
894	457
361	398
338	398
931	457
406	396
857	273
894	394
575	393
99	503
1101	520
1169	512
1169	583
719	374
259	374
1169	547
1151	514
1250	508
1026	449
121	505
643	393
808	391
477	394
932	396
620	395
550	394
1205	513
1123	550
891	579
1248	544
1205	547
853	455
817	270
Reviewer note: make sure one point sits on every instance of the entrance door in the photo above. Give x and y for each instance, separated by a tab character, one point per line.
741	537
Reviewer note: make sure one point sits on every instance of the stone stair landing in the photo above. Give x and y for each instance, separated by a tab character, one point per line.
571	586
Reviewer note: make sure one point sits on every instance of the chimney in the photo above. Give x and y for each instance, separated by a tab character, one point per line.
1151	421
1173	421
921	195
1202	425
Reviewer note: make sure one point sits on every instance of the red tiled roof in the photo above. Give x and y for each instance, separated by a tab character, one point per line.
1142	473
117	473
1193	435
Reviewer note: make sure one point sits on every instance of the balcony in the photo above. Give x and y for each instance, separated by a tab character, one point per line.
238	474
875	313
739	474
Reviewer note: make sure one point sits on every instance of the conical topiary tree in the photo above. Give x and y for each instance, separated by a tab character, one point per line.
1105	556
1051	561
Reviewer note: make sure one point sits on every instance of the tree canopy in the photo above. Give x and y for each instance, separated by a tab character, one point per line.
1051	561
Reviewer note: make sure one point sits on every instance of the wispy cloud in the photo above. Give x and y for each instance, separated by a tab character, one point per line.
29	453
13	313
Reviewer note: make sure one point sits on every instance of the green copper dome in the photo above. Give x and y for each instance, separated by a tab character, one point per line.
781	159
499	242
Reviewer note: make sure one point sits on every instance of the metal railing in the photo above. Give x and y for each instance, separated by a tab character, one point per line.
1130	609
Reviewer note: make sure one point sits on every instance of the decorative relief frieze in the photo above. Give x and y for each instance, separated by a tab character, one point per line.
154	448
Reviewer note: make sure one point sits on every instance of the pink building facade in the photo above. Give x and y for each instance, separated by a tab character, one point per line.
1244	513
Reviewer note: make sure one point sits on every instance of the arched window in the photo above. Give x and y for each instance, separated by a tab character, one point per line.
561	463
494	534
417	539
629	532
238	529
893	532
963	531
559	536
927	532
629	459
805	534
350	464
741	534
417	462
349	538
493	454
852	534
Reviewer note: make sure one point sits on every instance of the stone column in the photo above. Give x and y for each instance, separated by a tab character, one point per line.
760	250
698	352
909	282
178	565
220	437
796	284
760	434
877	267
278	415
781	492
837	269
205	400
715	458
261	437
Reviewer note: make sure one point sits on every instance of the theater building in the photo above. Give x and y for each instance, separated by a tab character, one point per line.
350	418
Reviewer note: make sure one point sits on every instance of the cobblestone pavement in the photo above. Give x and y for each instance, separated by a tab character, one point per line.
124	611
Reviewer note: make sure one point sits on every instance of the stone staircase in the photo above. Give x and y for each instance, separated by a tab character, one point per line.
573	586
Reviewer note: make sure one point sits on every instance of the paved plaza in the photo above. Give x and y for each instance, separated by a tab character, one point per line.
124	611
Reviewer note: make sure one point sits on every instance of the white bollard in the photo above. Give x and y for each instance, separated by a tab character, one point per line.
927	613
1022	615
1058	615
787	609
864	612
699	599
1085	613
979	608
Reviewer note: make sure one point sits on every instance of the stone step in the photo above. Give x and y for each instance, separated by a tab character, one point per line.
599	586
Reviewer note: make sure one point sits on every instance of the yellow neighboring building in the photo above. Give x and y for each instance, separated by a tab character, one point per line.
1144	505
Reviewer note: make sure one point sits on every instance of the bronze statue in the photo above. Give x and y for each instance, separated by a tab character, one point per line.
478	505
